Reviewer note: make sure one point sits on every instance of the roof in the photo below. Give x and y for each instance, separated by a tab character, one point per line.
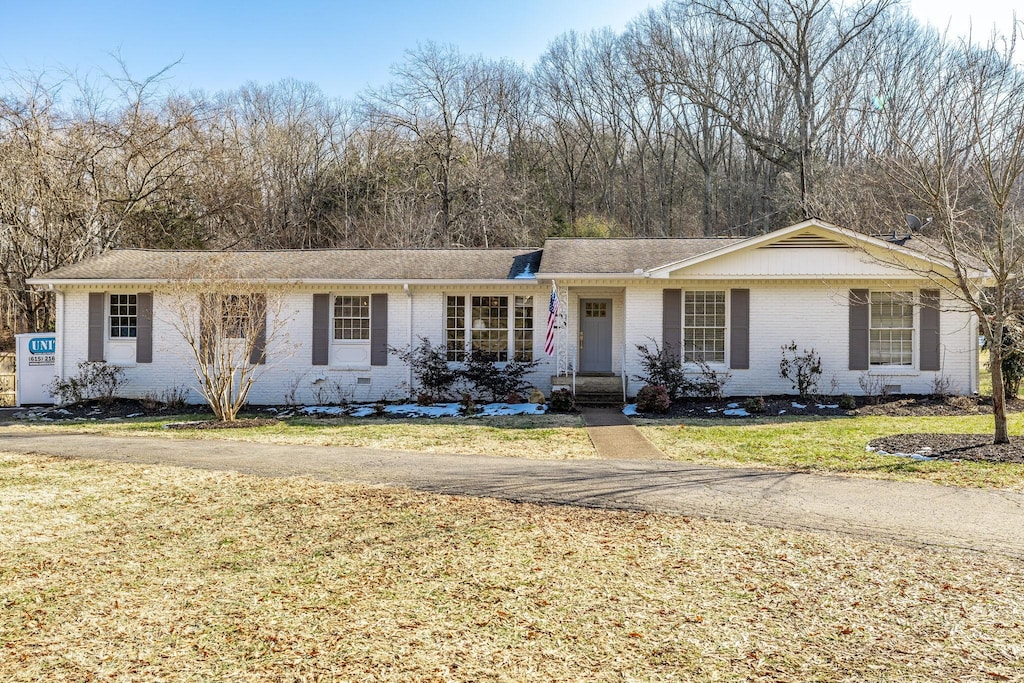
624	255
321	264
560	257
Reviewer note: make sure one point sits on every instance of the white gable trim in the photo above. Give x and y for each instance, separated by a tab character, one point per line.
852	238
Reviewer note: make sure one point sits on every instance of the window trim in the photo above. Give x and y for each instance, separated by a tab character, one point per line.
912	298
511	331
134	327
726	331
334	320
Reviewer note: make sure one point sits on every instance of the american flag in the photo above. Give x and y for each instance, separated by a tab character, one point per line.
549	341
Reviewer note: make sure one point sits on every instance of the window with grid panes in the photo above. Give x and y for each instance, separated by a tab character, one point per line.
455	328
704	326
124	316
891	337
493	332
351	318
235	313
524	328
489	333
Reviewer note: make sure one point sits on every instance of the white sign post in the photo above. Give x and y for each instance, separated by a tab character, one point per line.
36	354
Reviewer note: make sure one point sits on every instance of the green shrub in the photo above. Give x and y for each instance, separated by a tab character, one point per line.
755	404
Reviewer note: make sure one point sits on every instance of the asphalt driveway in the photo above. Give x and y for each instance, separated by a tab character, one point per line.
911	513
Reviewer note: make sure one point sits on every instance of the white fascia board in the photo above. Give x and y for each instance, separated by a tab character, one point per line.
591	276
277	281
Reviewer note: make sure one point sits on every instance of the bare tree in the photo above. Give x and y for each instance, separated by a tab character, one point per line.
227	323
963	159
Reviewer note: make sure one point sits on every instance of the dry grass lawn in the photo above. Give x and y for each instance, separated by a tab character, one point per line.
123	572
546	436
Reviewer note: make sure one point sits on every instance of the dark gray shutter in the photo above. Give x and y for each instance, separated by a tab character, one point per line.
930	330
321	328
97	318
378	329
144	327
739	329
860	317
672	322
258	310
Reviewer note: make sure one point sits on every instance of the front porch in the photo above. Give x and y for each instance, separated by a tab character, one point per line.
590	343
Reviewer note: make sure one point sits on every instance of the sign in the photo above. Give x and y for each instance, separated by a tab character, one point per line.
36	363
42	350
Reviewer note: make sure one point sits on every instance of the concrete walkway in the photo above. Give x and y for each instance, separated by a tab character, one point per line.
615	438
917	514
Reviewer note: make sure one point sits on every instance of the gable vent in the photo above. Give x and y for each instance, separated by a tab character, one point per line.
807	240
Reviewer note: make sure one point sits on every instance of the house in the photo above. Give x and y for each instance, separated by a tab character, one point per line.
871	308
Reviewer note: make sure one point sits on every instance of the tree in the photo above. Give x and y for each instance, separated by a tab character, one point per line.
227	323
964	161
796	44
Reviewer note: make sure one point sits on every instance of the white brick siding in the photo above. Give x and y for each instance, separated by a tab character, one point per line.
814	314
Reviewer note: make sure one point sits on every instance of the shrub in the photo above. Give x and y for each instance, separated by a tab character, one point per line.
562	401
803	370
95	379
432	374
490	378
711	382
756	404
653	398
1013	357
847	402
660	367
467	404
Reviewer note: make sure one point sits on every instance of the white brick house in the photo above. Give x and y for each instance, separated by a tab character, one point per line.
872	309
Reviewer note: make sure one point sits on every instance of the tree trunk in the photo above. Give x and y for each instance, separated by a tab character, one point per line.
998	396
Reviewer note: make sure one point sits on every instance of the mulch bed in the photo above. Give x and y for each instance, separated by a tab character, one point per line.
976	447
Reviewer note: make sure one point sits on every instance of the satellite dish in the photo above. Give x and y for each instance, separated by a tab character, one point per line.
913	222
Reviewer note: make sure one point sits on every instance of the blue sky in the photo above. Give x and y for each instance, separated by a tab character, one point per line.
342	46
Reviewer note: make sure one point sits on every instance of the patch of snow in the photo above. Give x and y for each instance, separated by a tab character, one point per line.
135	415
416	410
920	455
782	411
711	410
733	405
798	406
736	412
629	409
511	409
827	406
361	411
324	410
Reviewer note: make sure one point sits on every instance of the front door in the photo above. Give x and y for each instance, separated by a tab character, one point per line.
596	335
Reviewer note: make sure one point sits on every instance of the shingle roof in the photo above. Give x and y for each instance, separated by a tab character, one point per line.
623	255
327	264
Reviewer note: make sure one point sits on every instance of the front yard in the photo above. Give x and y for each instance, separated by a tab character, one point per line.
833	445
127	572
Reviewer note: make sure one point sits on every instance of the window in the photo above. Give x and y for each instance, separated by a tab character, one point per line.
235	314
352	318
124	317
493	332
489	335
524	328
891	340
455	328
704	327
